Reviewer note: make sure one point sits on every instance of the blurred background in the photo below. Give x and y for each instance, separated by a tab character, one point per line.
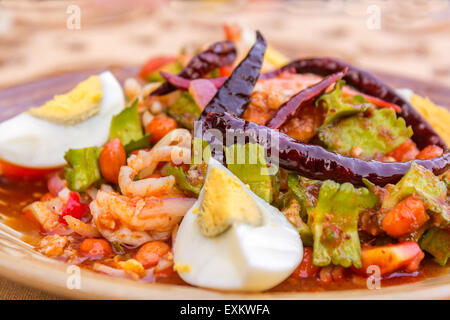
39	38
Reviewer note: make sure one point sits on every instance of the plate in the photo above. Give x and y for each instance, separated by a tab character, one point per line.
21	263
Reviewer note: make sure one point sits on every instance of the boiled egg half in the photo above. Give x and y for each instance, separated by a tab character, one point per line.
233	240
80	118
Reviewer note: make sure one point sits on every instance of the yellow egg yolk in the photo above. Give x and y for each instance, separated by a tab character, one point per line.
437	116
81	103
225	201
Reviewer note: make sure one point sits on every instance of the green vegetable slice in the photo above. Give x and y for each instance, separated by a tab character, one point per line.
201	151
140	143
182	181
215	73
437	242
291	209
305	190
366	135
297	191
336	106
248	163
334	223
126	125
200	157
185	110
118	249
282	203
356	99
305	233
422	182
172	67
446	180
283	200
83	169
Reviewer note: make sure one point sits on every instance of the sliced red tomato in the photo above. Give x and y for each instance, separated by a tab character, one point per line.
407	216
306	268
405	152
13	171
430	152
392	257
226	71
154	64
232	32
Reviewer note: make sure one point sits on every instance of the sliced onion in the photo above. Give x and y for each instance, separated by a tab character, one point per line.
174	234
63	194
106	188
55	184
108	270
92	192
202	91
170	206
163	264
149	275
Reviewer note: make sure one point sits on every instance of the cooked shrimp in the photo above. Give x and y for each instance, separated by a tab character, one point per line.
175	147
53	245
149	159
270	94
144	187
83	229
178	137
141	214
113	231
137	220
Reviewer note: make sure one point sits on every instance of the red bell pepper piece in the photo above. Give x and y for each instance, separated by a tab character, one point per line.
73	208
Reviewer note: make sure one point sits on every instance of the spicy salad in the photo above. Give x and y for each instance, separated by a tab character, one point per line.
330	175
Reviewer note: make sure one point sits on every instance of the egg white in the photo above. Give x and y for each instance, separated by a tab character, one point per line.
243	258
36	143
405	93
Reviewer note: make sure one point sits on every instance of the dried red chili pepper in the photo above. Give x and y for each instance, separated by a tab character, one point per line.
275	73
313	161
234	95
366	82
183	83
307	96
217	55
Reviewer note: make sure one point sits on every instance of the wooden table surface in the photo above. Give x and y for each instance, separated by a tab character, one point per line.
413	38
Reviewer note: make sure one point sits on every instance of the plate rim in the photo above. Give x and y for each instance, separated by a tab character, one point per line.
48	275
